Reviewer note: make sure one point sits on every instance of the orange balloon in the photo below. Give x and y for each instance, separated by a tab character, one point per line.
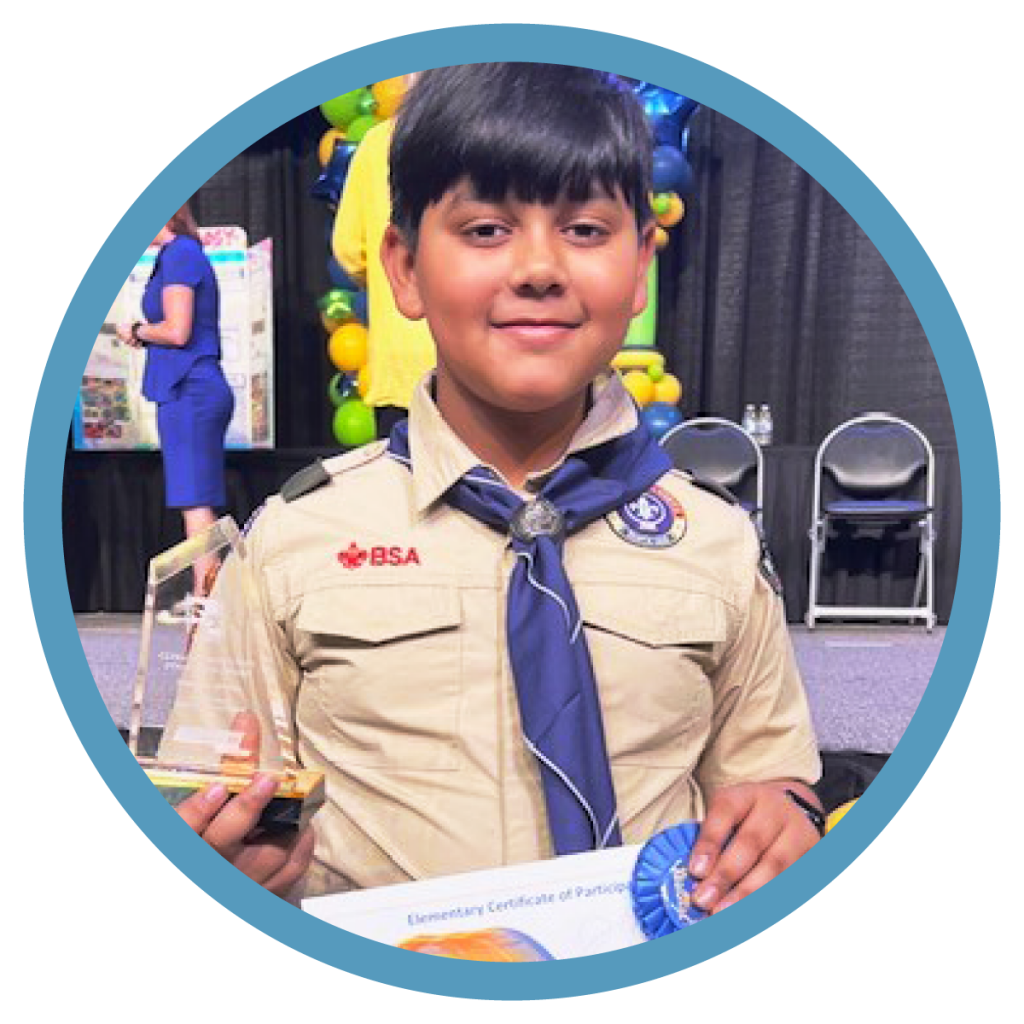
347	347
675	212
326	148
388	95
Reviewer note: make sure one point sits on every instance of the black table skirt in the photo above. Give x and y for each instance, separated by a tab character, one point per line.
115	521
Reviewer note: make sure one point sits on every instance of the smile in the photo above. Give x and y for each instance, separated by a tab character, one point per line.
537	332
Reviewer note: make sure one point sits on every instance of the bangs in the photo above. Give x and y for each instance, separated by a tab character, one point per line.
571	160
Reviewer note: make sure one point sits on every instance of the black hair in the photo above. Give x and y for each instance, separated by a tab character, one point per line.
536	131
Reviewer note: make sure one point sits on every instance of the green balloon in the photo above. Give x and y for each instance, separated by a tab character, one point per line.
340	308
346	107
367	103
662	203
354	423
326	299
359	127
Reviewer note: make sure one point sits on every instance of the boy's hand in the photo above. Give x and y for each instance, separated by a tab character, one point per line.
771	832
275	861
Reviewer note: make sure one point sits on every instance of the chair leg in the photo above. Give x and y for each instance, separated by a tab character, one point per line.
924	586
817	546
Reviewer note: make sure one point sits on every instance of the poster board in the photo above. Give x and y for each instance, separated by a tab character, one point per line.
571	906
110	412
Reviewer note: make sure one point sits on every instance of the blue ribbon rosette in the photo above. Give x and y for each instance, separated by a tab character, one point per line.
662	886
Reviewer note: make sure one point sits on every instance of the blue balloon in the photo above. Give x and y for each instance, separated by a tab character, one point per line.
671	171
667	112
660	417
331	181
361	308
339	278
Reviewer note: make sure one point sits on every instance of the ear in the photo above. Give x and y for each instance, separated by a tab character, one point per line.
399	262
647	248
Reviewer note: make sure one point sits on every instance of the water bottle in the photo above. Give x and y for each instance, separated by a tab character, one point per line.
749	421
764	417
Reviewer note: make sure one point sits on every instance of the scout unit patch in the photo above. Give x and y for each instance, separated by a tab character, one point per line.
654	520
657	520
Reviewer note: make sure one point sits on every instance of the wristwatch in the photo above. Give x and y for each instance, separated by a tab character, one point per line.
814	816
135	332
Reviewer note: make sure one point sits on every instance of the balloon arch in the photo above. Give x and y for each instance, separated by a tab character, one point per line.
343	309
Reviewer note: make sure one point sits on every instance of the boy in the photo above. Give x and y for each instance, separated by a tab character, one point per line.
513	630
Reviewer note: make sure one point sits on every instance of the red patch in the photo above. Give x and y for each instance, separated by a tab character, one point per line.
353	556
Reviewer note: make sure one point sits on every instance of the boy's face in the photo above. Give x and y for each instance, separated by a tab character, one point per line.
527	302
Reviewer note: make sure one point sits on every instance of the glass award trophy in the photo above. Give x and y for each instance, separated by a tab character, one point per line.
209	674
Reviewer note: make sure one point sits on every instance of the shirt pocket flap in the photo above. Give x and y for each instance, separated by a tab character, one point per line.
657	616
377	614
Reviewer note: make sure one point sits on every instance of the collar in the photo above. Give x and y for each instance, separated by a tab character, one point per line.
440	457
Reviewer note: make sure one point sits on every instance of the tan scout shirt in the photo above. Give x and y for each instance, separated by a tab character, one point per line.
381	613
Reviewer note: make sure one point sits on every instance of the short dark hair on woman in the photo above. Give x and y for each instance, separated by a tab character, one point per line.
535	131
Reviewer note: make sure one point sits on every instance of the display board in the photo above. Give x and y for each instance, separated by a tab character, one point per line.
110	412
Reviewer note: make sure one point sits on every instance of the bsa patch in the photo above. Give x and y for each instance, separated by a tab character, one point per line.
654	520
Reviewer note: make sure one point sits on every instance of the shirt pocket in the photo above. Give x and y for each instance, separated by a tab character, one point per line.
653	649
382	675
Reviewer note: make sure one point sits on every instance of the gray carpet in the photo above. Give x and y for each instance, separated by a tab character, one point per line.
863	682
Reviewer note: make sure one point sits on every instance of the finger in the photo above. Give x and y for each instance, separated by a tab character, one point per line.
239	817
300	856
727	809
741	861
202	807
275	860
744	854
795	836
773	861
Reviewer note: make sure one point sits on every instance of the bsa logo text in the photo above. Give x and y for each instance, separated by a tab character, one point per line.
354	556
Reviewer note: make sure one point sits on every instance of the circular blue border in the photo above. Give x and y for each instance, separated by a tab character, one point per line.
705	84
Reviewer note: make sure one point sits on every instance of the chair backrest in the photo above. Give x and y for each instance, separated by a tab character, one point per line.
721	451
875	456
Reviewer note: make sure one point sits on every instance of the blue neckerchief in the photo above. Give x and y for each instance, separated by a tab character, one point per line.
555	686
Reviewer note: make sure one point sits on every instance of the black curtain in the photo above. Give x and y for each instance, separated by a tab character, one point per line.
770	292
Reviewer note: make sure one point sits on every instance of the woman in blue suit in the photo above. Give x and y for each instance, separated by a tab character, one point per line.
183	375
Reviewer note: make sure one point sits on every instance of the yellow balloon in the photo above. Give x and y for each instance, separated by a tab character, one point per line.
388	95
639	384
836	816
363	381
326	148
668	389
637	359
347	347
660	238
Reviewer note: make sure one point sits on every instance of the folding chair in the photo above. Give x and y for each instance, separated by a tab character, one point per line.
874	471
723	452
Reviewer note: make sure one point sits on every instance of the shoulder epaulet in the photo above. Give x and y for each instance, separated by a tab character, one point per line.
709	485
318	473
309	478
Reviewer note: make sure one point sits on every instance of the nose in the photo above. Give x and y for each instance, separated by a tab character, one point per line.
538	269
